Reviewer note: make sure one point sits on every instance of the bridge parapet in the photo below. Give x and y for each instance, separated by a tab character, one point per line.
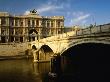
59	36
94	30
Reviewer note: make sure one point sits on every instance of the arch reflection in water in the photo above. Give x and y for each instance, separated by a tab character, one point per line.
41	68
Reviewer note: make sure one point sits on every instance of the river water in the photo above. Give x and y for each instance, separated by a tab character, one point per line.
27	71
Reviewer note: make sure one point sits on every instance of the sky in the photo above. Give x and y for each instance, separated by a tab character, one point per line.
75	12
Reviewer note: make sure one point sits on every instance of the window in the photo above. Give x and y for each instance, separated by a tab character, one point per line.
51	23
29	23
11	31
12	22
48	23
3	31
3	21
20	31
33	23
37	22
58	23
16	22
16	31
21	22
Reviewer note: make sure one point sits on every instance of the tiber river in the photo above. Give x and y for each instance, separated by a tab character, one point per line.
91	60
25	70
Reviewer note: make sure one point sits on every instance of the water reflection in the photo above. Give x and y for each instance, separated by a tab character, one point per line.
22	71
27	71
42	70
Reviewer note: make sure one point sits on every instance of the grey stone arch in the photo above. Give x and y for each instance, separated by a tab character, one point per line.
33	35
88	58
45	53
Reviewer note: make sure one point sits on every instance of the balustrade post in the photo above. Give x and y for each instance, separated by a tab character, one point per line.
90	30
76	32
100	29
109	28
82	31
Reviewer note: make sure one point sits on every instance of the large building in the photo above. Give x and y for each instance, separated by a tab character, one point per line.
28	27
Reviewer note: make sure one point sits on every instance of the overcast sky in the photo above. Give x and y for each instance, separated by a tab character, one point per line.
76	12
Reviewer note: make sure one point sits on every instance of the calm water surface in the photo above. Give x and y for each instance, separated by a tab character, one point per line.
27	71
22	71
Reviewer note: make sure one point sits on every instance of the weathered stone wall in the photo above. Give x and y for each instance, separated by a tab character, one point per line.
13	49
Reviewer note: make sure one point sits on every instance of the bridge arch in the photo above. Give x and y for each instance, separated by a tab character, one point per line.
45	53
34	47
46	48
90	58
83	41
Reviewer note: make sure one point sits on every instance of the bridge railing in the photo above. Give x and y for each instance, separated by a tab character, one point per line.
94	30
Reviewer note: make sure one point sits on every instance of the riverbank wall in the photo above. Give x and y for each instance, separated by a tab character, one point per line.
13	49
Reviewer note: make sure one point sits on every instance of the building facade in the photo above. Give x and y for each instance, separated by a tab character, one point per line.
28	27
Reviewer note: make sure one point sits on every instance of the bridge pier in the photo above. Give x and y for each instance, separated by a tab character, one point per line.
36	55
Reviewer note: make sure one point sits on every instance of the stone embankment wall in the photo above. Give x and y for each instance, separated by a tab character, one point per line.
13	49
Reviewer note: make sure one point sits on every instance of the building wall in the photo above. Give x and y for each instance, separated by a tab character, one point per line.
18	28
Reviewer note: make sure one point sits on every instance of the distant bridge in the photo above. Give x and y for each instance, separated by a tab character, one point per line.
60	43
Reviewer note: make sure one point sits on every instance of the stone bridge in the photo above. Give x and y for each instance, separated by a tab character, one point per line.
57	45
